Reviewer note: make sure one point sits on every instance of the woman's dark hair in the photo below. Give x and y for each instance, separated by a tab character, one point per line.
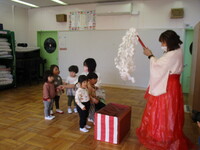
82	78
91	64
92	75
73	68
172	40
47	74
52	67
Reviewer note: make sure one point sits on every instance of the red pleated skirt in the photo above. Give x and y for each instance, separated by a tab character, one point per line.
163	119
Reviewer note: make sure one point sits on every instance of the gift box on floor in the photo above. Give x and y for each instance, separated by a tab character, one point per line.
112	123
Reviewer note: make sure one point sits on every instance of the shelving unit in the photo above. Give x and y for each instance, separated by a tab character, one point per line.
7	59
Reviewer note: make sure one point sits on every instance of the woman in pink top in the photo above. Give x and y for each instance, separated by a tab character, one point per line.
163	119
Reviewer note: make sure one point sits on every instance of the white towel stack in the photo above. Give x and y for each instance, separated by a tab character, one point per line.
5	75
5	51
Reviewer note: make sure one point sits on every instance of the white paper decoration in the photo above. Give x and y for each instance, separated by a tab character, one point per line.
125	60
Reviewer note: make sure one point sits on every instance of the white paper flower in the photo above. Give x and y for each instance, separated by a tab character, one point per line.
124	61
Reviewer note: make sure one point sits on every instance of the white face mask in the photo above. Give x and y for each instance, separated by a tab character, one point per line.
164	48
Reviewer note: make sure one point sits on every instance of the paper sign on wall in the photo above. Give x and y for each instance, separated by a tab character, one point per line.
62	41
82	20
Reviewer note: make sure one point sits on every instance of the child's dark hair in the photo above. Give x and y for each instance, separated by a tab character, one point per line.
172	40
82	78
92	75
52	67
47	74
91	64
73	68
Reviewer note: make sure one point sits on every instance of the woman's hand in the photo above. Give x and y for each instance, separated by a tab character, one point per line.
83	108
147	52
95	100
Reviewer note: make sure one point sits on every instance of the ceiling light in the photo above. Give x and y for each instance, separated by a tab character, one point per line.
59	2
25	3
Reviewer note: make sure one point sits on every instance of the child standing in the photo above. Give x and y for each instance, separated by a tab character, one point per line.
48	94
95	101
83	103
71	79
89	66
57	82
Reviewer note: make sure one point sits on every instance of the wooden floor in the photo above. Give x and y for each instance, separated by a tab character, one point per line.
22	124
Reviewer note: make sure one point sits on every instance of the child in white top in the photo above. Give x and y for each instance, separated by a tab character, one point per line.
95	100
89	66
83	103
71	79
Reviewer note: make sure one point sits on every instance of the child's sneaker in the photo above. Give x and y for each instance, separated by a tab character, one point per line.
87	127
59	111
90	120
51	112
69	110
75	110
52	116
48	118
84	130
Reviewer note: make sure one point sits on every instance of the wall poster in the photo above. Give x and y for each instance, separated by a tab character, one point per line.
82	20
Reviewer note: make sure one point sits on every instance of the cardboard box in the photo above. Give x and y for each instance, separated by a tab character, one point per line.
177	13
112	123
61	18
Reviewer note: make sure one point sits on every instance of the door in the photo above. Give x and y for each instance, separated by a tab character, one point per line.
48	43
186	75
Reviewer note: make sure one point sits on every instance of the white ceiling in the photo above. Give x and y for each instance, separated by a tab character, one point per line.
48	3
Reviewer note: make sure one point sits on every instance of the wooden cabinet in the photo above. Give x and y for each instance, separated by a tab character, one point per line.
194	95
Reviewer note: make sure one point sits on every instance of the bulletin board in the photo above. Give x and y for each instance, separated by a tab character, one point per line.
82	20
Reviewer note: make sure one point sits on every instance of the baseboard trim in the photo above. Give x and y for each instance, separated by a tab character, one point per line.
123	87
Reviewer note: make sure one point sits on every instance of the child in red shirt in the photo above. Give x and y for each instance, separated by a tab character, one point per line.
49	93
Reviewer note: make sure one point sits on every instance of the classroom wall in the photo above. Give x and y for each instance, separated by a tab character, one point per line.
102	45
154	14
15	19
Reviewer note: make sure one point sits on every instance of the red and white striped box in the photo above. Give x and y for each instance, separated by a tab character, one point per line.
112	123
